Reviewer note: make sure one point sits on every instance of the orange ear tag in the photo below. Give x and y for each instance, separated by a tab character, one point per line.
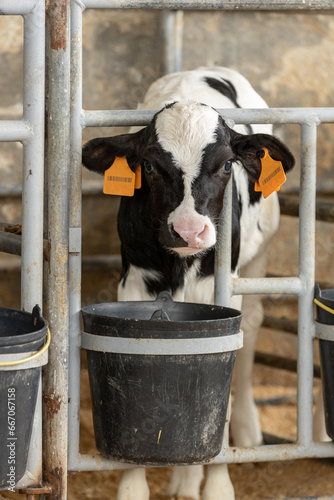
119	178
272	175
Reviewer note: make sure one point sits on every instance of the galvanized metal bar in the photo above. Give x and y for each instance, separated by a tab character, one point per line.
277	5
55	437
20	7
267	453
327	497
127	118
30	130
87	463
222	280
248	286
33	161
75	225
306	328
223	285
172	34
15	131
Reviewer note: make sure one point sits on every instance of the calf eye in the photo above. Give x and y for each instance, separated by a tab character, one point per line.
148	167
227	167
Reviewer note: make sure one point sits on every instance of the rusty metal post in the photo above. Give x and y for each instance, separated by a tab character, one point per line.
75	232
55	394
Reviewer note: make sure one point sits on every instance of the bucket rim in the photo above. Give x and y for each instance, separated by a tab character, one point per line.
33	360
93	310
325	296
25	338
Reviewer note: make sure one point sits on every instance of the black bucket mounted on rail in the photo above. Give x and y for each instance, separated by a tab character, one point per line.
160	374
324	300
24	341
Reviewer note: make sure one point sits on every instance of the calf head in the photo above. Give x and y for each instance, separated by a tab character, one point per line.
187	154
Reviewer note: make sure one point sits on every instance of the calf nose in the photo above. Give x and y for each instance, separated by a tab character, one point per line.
193	234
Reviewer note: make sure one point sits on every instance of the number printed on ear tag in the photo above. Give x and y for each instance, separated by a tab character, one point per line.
272	175
119	178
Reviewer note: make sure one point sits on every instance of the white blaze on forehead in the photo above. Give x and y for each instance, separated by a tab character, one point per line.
184	130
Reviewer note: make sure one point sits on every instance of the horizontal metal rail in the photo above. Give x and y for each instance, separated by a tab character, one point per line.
327	497
238	5
247	286
267	453
127	118
15	131
19	7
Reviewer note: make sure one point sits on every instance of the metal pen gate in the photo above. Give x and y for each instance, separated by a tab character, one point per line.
65	122
30	131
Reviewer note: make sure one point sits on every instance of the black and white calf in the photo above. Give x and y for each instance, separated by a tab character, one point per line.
168	228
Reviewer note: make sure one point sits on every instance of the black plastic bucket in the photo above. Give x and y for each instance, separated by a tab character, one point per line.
20	333
326	348
150	407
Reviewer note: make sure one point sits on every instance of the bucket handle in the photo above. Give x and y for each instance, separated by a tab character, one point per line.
33	356
323	306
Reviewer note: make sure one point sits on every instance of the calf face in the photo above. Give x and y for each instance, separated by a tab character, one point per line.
187	155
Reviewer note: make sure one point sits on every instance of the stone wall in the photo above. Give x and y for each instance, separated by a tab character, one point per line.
286	56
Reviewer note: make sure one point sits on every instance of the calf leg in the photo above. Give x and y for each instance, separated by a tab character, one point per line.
245	425
133	485
218	484
185	482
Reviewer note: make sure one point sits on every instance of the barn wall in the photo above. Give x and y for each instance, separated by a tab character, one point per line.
286	56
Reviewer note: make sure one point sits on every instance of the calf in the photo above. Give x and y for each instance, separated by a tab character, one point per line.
168	228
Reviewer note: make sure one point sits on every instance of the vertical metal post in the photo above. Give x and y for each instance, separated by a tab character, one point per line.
172	34
306	273
32	200
223	283
75	232
55	395
33	160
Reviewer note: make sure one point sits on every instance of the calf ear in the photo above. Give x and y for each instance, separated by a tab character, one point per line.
99	154
248	150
